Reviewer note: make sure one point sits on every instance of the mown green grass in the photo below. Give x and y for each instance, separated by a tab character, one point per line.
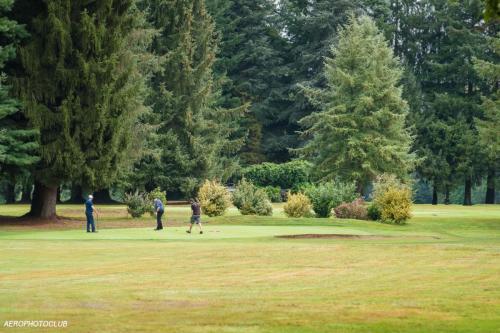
438	273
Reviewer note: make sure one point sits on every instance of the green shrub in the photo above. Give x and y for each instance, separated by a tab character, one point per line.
300	187
137	204
214	198
393	199
189	186
374	212
298	205
157	193
151	196
273	193
284	175
324	197
352	210
251	200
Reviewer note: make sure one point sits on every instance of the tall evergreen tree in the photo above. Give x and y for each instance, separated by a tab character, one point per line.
360	131
454	33
195	136
79	84
489	125
411	37
437	41
311	27
17	141
139	43
251	58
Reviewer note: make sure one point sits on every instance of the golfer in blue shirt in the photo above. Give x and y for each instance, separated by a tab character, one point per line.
159	210
89	213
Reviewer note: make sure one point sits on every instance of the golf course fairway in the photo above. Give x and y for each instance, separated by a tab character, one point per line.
438	273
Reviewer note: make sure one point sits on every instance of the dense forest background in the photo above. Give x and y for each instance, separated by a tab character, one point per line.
113	96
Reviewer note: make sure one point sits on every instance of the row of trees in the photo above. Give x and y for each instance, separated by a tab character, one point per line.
448	52
147	93
112	91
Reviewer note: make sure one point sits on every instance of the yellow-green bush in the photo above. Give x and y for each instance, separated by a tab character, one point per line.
298	205
393	200
251	200
214	198
384	182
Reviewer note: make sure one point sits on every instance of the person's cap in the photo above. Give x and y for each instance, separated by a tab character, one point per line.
91	196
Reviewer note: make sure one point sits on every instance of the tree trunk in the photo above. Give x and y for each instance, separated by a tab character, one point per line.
10	193
490	188
447	195
43	204
468	192
26	195
76	195
360	189
59	189
103	197
434	195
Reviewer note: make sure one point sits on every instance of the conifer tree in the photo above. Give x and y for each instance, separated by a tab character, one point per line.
360	131
252	58
437	40
194	136
79	84
453	34
17	142
489	125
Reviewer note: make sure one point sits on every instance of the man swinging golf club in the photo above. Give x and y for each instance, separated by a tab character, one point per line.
195	218
159	210
89	213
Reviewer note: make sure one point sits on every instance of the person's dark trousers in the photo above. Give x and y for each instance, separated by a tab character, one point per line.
159	225
90	222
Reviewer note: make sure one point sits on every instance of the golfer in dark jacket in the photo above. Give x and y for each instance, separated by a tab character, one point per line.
195	218
89	213
159	210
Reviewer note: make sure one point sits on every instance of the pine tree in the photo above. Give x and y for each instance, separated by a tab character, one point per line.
360	131
411	36
489	125
17	142
195	136
79	84
251	58
437	40
453	35
311	28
